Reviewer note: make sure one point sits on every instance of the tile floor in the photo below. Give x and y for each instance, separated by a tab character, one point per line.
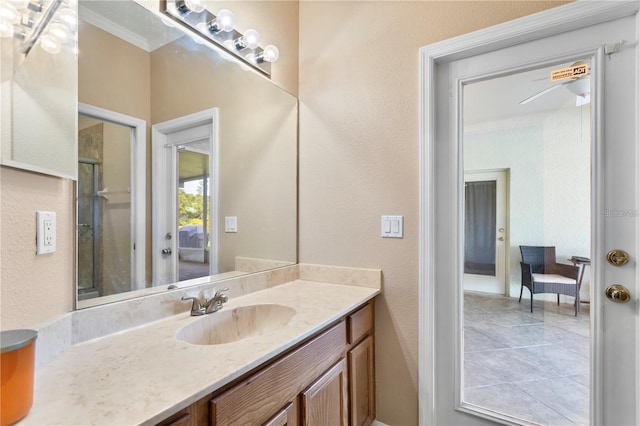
533	366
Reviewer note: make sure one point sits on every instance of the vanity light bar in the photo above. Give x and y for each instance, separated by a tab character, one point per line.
39	28
51	24
208	26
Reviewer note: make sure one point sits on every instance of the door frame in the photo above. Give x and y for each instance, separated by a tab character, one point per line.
533	27
138	186
162	177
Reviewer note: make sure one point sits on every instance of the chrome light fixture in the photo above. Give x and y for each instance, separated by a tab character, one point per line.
224	21
50	23
220	30
269	54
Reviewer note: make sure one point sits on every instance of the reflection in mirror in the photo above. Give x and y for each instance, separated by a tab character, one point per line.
242	173
104	229
194	232
527	187
38	86
110	202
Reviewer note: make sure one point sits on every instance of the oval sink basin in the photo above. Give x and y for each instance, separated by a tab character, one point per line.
228	326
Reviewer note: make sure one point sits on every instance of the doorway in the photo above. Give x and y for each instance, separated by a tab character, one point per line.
563	35
185	201
485	232
110	208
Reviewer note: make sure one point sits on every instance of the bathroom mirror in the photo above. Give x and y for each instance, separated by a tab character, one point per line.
202	182
38	89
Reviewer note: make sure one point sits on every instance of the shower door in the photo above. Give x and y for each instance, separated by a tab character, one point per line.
89	230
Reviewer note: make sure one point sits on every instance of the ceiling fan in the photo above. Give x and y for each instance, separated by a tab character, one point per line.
576	80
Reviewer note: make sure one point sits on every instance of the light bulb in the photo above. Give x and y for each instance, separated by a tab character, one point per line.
196	6
270	53
68	17
250	39
6	28
60	32
50	44
9	12
224	21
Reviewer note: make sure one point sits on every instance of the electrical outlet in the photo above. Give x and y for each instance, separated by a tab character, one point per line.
45	232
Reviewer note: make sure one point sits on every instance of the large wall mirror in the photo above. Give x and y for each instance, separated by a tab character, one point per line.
38	87
187	160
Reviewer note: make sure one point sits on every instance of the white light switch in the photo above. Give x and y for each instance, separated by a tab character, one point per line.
231	224
392	226
45	232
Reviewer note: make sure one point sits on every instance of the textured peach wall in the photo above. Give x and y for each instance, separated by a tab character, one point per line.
34	289
359	155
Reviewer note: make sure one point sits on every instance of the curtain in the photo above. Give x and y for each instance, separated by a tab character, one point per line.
480	228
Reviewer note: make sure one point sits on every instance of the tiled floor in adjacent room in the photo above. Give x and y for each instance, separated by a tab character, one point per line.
533	366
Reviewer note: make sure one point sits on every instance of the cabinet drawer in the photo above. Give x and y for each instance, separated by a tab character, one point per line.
359	323
261	396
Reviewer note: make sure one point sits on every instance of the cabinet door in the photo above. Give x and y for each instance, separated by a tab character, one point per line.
286	417
362	383
324	403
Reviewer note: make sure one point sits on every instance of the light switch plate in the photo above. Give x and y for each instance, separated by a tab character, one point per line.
45	232
231	224
392	226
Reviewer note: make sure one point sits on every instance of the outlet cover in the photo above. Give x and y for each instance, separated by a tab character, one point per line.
231	224
45	232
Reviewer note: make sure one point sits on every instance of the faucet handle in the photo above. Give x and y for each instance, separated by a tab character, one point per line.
223	297
196	307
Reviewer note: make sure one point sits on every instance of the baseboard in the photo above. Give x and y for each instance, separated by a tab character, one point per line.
378	423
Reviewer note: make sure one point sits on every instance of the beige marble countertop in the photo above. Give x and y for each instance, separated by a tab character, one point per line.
145	374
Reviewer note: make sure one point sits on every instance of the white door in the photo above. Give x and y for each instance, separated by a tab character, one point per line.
590	31
485	230
179	257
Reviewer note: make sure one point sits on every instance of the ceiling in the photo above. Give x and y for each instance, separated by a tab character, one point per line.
129	21
499	98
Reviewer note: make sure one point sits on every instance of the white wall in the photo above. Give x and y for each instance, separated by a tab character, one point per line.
549	197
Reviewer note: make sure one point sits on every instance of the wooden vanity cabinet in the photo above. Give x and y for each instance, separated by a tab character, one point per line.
362	383
328	380
325	401
361	366
288	416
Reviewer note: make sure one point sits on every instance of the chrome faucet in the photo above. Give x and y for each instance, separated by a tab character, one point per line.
209	306
215	303
196	307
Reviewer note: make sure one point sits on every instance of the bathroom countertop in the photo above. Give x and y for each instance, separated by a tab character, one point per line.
145	374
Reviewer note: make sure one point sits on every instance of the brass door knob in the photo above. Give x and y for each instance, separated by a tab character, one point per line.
618	293
500	238
618	257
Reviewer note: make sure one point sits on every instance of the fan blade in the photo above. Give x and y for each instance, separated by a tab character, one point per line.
545	91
